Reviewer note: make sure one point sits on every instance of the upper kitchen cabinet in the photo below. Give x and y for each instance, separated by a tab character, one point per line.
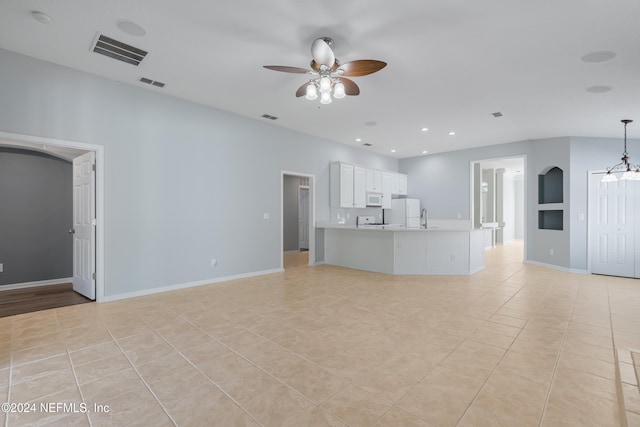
348	185
359	187
374	181
399	184
386	190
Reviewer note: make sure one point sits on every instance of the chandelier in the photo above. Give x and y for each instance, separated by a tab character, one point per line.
631	171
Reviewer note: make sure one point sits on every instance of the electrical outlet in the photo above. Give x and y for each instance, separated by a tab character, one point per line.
338	216
551	252
459	216
214	262
1	267
348	216
266	215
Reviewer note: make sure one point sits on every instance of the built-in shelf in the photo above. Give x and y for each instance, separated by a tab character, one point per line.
551	199
551	207
550	220
550	186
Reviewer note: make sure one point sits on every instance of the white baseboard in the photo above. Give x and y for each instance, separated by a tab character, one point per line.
35	284
178	286
557	267
477	269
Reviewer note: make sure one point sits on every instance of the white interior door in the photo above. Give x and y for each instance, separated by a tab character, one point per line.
303	217
84	214
613	223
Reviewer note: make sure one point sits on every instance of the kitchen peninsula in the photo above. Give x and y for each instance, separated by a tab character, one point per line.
440	250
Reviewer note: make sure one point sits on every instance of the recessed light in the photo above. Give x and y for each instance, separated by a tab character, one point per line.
131	28
41	17
367	144
358	139
393	151
371	123
600	56
424	129
599	89
424	151
451	133
497	114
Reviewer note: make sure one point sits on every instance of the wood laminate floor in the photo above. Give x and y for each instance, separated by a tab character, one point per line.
27	300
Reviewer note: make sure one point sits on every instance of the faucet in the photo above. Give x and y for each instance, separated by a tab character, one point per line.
423	216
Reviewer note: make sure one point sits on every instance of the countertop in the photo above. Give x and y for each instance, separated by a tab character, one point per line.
394	228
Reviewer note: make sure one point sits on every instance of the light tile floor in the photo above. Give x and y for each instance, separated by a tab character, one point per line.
513	345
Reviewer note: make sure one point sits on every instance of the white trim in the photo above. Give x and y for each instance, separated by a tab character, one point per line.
50	282
178	286
475	270
557	267
312	215
99	150
525	176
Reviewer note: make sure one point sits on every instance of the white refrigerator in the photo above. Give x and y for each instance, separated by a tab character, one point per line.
405	212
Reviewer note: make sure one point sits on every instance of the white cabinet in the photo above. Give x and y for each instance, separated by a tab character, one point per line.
359	187
348	185
374	181
399	184
341	181
386	190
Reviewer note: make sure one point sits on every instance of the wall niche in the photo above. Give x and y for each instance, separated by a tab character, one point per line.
551	199
550	186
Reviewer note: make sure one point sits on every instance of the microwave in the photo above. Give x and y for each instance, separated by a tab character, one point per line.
374	199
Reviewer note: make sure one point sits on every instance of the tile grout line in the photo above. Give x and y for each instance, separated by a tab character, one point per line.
555	366
9	382
73	372
203	374
138	373
475	397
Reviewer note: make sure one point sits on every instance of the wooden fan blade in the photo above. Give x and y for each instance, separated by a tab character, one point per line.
361	67
322	53
302	90
350	87
286	69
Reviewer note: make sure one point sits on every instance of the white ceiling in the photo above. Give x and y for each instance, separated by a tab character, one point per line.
451	63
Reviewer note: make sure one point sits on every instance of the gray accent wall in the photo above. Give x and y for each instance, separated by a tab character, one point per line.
184	183
36	213
290	212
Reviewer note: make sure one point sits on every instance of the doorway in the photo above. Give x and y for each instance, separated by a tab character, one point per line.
614	229
498	198
95	246
298	232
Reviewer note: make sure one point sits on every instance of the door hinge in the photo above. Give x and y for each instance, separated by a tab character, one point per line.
93	276
93	167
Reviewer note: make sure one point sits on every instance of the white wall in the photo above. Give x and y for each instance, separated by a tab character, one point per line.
183	182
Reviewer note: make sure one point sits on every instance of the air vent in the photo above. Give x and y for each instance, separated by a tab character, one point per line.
151	82
117	50
497	114
368	144
267	116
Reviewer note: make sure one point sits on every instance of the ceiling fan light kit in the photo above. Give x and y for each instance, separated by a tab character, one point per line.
631	171
329	75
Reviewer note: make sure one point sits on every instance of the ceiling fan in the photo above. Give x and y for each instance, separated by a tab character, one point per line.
329	74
